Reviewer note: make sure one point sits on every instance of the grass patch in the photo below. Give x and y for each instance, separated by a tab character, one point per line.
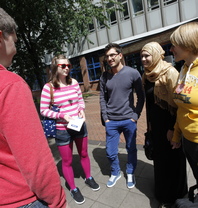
86	95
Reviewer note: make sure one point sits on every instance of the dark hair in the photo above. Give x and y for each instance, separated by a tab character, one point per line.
54	74
7	23
113	45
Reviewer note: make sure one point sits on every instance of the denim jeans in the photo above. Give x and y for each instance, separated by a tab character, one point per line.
65	137
113	131
35	204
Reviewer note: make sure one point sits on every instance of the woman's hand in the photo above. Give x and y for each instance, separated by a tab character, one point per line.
81	114
67	118
175	145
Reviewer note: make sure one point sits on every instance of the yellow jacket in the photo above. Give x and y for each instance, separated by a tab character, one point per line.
187	102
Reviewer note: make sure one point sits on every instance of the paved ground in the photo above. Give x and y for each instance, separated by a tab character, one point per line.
97	131
119	196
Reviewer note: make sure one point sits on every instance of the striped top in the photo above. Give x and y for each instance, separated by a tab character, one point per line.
68	99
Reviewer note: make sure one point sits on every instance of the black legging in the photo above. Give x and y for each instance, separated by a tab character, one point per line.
191	152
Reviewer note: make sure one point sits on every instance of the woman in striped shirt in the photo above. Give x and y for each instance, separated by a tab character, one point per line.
68	97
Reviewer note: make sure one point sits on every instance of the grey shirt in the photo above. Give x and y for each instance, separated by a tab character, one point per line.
117	94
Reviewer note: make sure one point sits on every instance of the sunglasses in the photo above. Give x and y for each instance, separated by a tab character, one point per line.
63	66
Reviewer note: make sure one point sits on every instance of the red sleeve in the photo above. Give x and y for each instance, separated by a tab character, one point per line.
22	129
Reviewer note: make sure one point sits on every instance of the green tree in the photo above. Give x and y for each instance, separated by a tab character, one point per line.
45	26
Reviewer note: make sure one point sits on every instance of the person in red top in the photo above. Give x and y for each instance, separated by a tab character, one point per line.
28	174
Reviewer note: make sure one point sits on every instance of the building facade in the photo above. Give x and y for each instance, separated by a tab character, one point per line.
140	22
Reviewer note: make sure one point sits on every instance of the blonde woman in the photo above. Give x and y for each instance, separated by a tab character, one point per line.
185	47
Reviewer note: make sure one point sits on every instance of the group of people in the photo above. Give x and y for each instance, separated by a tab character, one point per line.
29	176
171	112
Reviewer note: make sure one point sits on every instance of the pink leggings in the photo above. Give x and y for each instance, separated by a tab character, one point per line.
66	153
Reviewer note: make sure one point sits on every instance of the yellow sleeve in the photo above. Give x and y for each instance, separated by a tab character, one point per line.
177	133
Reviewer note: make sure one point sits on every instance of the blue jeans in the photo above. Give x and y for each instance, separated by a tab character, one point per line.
35	204
113	131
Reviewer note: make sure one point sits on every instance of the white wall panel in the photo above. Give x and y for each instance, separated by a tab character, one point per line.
92	37
113	33
85	45
154	20
125	29
102	37
189	9
139	25
170	14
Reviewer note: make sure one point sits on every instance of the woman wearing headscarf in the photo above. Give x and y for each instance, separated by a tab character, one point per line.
159	81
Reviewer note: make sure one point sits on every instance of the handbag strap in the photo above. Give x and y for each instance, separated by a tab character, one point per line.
51	95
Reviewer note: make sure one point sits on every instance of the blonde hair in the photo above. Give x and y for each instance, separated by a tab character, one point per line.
186	36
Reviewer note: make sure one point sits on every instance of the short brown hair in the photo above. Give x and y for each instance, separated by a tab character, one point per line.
113	45
7	24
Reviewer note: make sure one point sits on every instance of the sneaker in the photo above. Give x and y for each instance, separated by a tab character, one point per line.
130	181
77	196
166	205
113	179
91	183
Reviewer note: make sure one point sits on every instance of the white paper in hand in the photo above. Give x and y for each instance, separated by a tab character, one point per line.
76	124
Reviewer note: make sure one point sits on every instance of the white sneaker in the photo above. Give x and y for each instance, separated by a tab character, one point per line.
130	181
113	179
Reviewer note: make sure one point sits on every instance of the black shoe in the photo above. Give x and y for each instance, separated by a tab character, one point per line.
92	184
77	196
166	205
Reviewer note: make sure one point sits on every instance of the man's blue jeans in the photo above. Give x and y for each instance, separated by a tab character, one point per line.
35	204
113	131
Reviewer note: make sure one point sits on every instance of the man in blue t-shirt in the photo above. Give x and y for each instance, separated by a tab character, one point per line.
117	87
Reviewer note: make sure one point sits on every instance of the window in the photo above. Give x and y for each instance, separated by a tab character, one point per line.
100	24
124	15
112	16
76	70
134	60
91	27
93	66
166	2
152	4
137	7
76	74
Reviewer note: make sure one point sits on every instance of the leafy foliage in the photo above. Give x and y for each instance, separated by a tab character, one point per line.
45	26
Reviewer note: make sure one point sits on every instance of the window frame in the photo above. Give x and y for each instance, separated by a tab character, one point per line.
151	7
124	3
112	14
138	12
167	2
